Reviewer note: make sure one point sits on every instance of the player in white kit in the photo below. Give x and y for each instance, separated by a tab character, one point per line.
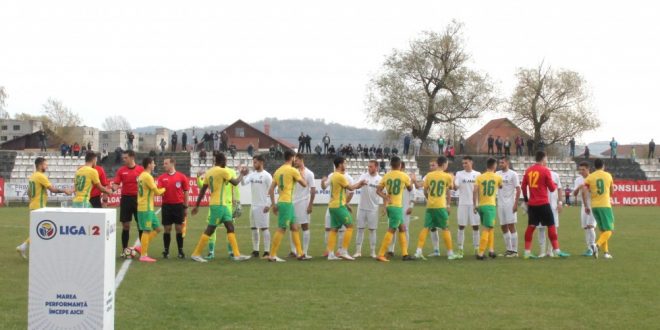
464	183
556	206
349	196
587	221
303	204
367	213
259	182
408	205
435	233
507	207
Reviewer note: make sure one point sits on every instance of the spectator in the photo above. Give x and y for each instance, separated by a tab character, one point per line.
530	147
308	144
184	141
441	145
406	144
571	145
417	145
224	141
507	147
89	145
568	196
202	156
301	142
175	140
217	143
462	145
613	147
63	149
541	145
326	143
490	142
42	141
318	149
195	142
359	149
386	152
448	142
633	154
232	151
163	144
379	152
76	149
395	151
586	152
118	153
498	145
104	155
250	150
651	149
372	152
83	150
331	150
130	137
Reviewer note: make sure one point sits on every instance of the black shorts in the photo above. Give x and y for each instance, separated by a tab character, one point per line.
173	214
127	208
540	215
96	202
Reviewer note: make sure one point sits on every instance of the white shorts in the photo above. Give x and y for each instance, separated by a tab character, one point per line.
367	219
587	219
259	219
300	211
505	214
467	217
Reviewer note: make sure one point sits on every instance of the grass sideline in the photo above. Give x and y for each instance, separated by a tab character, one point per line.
577	292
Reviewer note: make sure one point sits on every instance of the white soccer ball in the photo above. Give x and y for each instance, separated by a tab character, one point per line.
130	253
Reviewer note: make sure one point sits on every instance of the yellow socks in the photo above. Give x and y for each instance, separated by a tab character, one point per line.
296	242
422	238
144	240
483	243
203	241
446	236
231	237
152	234
404	243
386	242
277	239
602	240
332	241
347	239
491	240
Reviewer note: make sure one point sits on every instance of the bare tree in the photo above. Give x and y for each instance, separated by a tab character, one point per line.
116	123
60	117
3	96
428	84
552	104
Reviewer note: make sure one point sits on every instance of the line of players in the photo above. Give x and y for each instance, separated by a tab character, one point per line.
296	199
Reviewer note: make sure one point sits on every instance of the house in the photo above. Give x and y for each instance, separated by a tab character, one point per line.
477	143
242	134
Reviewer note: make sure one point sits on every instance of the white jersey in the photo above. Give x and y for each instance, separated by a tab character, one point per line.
554	196
369	199
301	193
464	182
507	194
579	182
259	183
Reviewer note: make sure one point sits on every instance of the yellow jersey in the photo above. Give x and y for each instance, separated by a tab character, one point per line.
86	178
394	182
437	183
147	189
338	184
38	185
488	184
286	177
599	183
216	178
230	190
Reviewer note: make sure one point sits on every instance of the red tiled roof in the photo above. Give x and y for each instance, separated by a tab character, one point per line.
502	127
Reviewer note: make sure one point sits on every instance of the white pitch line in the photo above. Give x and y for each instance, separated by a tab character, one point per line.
124	267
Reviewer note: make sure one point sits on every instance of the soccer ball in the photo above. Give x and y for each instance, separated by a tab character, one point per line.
130	253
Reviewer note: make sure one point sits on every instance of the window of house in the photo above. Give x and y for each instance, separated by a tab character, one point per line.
4	127
240	132
17	127
105	136
3	138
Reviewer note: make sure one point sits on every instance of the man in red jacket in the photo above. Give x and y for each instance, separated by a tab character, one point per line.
175	204
538	180
126	178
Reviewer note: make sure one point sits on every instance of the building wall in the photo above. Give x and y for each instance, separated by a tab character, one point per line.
11	129
151	141
82	135
110	140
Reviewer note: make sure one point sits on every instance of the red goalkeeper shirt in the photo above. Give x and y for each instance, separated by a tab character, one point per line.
538	180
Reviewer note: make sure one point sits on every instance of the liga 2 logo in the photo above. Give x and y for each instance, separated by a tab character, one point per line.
47	229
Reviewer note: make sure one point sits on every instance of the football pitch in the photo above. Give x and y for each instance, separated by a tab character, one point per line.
578	292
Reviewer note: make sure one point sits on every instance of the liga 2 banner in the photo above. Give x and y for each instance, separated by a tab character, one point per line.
636	193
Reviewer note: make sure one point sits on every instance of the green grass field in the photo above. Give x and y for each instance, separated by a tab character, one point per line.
577	292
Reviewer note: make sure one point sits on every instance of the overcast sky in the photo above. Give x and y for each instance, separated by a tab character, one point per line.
184	63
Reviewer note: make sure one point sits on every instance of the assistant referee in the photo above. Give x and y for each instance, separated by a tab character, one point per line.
175	205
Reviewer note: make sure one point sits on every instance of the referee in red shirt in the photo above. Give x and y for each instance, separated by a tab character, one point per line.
126	178
538	180
95	195
175	204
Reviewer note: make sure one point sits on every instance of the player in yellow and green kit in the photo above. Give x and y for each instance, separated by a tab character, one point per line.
436	187
599	184
339	214
485	192
147	220
215	179
38	187
86	178
285	179
394	182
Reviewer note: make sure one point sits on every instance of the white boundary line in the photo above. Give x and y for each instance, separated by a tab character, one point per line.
124	267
